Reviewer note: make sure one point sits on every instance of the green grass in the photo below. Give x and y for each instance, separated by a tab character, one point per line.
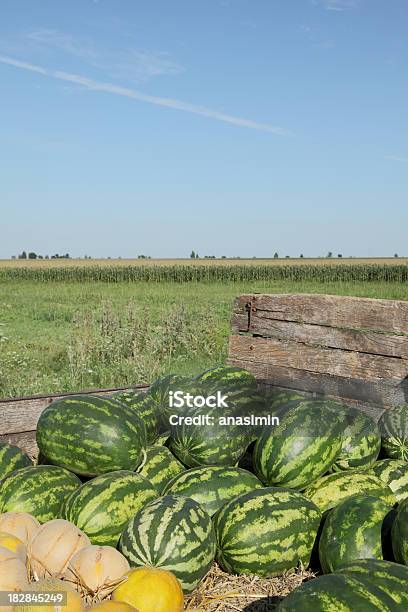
71	336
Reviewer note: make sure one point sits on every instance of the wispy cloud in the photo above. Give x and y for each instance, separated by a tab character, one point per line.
128	63
133	94
396	158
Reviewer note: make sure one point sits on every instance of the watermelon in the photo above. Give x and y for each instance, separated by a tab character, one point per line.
393	426
399	534
389	577
91	435
159	391
40	490
394	472
361	441
266	532
200	444
12	458
337	593
171	533
102	506
329	491
302	447
352	530
283	398
226	374
146	409
213	486
160	466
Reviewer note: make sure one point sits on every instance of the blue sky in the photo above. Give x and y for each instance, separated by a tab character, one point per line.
232	127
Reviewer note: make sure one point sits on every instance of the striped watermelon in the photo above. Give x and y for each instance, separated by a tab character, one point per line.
394	472
160	466
337	593
393	426
171	533
226	374
389	577
12	458
303	446
102	506
283	398
159	393
329	491
201	444
352	530
91	435
213	486
266	532
399	534
40	490
361	441
146	409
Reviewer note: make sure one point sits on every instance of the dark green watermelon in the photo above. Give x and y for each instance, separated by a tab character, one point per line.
160	467
302	447
172	533
103	506
40	490
399	533
352	530
337	593
385	575
266	532
393	426
394	472
226	374
361	441
212	486
146	409
91	435
12	458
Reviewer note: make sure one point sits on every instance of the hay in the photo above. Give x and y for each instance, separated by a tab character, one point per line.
221	592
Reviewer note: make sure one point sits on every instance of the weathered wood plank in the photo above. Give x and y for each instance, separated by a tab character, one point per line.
347	364
24	440
22	414
331	310
376	393
330	337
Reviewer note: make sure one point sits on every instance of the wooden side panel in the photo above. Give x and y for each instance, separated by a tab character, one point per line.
336	362
387	316
376	395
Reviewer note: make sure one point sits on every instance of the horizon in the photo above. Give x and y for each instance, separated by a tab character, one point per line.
152	129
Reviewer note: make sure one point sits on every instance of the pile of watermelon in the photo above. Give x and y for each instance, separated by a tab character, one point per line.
326	488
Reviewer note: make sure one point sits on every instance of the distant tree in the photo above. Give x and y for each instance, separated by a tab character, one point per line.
276	255
40	257
13	257
192	255
301	255
340	255
223	257
23	255
329	254
66	256
287	256
32	255
197	256
396	255
47	257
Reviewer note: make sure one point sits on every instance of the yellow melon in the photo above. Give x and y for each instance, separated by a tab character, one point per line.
15	545
113	606
19	524
149	588
52	585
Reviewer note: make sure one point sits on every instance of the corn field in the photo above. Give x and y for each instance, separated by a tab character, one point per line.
209	273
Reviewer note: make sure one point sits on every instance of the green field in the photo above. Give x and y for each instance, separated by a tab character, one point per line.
71	336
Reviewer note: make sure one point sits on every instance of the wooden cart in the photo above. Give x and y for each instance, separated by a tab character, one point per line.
352	349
